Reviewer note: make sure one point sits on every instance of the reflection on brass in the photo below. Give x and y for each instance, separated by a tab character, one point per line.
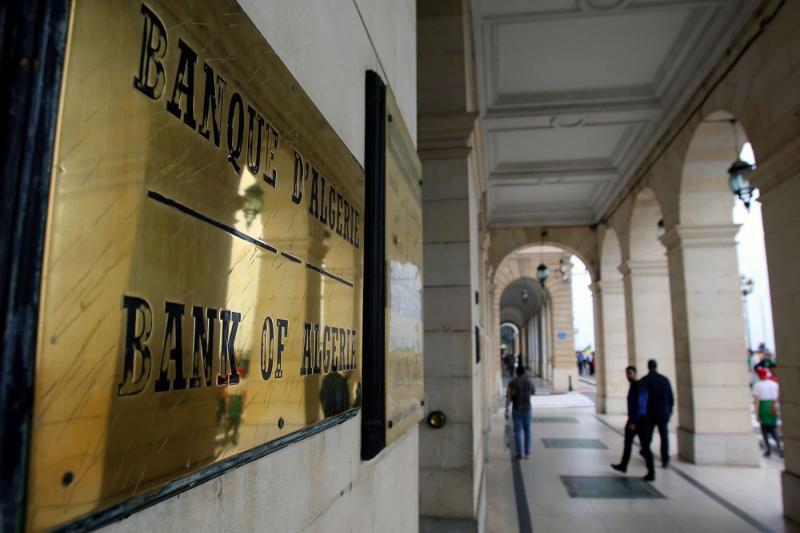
203	270
404	328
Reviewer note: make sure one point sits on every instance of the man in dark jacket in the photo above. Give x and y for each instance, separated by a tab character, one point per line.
637	408
660	403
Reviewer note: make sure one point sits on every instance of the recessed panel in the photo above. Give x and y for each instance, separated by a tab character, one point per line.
543	196
609	487
556	144
585	53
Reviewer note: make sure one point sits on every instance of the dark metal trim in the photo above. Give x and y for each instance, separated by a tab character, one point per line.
32	50
373	422
137	503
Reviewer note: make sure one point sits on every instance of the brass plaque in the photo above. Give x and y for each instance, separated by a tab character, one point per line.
404	328
203	268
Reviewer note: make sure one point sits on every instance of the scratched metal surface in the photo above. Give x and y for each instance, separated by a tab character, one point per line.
405	388
144	206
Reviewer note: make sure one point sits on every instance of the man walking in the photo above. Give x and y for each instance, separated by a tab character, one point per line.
660	402
637	408
520	390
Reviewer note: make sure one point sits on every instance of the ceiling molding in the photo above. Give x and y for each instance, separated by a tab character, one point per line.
694	39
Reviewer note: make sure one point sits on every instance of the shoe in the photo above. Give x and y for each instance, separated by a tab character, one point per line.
619	468
649	477
767	454
517	457
664	464
527	456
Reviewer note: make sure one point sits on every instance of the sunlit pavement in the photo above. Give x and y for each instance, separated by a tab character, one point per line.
691	498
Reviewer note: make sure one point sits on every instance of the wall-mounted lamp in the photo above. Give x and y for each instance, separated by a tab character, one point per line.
524	295
660	229
542	273
563	271
738	172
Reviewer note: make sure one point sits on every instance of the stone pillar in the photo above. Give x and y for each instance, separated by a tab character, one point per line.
648	317
452	485
612	346
778	179
449	479
564	368
713	392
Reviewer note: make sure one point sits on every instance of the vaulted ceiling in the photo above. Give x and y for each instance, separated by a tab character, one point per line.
574	93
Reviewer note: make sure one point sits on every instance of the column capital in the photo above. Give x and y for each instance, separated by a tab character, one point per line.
608	286
657	267
446	135
717	236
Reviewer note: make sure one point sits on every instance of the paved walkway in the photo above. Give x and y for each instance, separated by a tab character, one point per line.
569	439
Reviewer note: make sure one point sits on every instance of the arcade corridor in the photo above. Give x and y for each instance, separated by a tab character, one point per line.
570	439
260	262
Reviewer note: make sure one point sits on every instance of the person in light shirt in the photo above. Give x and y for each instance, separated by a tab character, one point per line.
765	400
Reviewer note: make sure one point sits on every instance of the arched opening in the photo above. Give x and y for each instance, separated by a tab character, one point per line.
509	339
551	328
709	323
751	256
522	302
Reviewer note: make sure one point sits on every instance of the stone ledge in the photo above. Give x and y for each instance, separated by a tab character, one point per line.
445	135
712	449
433	524
720	236
791	493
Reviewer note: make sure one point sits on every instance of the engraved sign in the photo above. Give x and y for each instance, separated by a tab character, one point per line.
404	328
201	294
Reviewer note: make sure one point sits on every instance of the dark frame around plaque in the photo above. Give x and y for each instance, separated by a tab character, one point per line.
373	349
34	37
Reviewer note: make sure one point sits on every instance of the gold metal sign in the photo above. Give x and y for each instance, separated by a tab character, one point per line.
404	328
203	267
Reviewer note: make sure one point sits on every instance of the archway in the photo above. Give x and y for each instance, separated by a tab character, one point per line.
706	303
509	338
547	330
522	302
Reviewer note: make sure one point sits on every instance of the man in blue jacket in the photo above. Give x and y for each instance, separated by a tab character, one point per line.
637	408
660	402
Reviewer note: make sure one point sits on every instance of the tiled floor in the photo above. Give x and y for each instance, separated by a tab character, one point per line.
751	497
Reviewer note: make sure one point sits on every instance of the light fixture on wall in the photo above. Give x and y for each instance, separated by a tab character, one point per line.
542	272
660	229
524	295
738	172
563	271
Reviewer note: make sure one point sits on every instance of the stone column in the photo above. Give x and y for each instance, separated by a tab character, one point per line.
564	368
713	397
612	346
452	485
778	179
449	479
648	317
